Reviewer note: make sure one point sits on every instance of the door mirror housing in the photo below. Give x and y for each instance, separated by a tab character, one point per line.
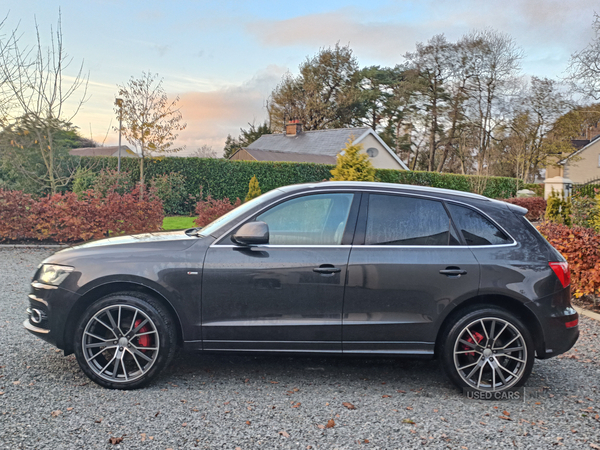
252	233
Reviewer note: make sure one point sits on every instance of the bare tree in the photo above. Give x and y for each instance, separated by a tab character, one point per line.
150	120
584	66
206	151
35	92
495	64
430	71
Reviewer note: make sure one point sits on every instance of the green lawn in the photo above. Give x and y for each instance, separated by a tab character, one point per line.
178	223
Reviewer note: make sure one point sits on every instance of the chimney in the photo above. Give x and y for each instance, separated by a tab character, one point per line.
293	128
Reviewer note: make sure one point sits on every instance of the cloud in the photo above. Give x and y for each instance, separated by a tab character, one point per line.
384	35
212	115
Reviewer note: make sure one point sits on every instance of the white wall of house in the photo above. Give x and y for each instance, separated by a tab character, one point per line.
383	160
585	166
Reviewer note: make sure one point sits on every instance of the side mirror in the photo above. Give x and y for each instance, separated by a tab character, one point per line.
252	233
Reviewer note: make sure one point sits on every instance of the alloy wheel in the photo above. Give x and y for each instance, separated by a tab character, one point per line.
490	354
120	343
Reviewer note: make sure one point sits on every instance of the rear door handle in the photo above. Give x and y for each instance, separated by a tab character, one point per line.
453	271
327	269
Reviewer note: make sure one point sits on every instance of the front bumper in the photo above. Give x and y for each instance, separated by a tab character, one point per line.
48	312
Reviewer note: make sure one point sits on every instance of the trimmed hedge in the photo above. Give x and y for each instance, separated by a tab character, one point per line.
586	189
221	178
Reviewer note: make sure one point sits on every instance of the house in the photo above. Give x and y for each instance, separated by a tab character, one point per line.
581	166
126	152
318	146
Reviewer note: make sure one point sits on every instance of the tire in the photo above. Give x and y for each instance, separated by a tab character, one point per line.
496	358
124	340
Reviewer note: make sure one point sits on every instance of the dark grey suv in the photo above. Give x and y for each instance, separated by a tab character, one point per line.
326	268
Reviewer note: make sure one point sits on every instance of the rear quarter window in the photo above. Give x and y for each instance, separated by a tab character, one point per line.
475	228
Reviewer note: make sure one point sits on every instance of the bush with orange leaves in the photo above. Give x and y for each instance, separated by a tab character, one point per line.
211	209
581	248
65	218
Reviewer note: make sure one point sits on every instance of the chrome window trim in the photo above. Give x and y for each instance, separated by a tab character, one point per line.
359	190
284	246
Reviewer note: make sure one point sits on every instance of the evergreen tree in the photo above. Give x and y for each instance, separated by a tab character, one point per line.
253	189
353	165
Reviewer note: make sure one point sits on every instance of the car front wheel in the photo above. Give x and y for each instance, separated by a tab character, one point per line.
124	340
487	349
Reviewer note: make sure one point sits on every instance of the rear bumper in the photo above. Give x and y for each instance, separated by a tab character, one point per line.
556	317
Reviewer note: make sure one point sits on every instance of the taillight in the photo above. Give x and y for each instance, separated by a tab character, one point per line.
572	323
561	269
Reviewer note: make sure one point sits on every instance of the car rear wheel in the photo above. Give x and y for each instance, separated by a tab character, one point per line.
124	340
487	349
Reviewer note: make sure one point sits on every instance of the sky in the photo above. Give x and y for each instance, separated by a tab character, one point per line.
223	58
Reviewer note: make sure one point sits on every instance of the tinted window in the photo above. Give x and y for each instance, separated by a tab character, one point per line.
476	229
396	220
310	220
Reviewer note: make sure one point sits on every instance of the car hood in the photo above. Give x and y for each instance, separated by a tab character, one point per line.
136	238
170	241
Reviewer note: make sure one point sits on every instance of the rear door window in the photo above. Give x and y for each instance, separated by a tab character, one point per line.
399	220
475	228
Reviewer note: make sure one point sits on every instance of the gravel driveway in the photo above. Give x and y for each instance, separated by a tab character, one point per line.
234	402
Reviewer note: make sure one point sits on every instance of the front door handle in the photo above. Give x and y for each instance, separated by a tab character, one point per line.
327	269
453	272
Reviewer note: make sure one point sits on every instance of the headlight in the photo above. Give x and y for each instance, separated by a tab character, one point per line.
53	274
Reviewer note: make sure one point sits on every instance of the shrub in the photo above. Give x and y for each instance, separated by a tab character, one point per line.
170	188
211	209
538	188
352	165
83	180
112	180
66	218
558	209
581	248
584	210
536	206
14	211
253	189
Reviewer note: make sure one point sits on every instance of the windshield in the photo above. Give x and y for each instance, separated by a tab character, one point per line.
238	212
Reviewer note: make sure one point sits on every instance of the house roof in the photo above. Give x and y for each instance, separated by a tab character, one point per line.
579	150
267	155
101	151
317	143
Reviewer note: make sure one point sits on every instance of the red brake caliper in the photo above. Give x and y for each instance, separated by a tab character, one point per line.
478	338
143	341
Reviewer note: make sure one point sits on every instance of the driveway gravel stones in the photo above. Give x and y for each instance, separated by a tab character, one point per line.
230	402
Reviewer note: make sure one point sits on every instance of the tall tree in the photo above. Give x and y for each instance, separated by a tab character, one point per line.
584	66
35	92
246	138
430	71
495	66
150	120
323	95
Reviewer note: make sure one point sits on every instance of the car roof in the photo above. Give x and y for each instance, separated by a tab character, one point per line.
368	185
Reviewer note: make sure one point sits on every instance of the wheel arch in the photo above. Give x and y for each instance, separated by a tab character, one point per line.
509	304
104	289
